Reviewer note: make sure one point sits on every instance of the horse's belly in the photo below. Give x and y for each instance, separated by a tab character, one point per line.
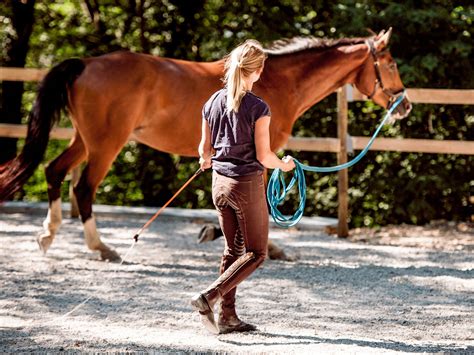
172	139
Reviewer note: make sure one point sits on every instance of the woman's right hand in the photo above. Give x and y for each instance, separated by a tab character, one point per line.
289	163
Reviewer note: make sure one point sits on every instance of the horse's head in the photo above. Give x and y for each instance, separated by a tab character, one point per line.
379	79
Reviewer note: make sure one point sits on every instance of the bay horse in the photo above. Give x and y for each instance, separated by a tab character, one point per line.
157	101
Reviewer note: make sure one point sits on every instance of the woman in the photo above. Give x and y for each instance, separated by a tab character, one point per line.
236	144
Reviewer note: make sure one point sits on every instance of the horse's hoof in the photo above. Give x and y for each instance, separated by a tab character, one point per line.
109	255
208	233
44	242
276	253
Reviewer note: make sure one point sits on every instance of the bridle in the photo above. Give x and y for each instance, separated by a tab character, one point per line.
392	97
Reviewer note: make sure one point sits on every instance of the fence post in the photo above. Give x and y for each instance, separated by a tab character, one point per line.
343	177
75	174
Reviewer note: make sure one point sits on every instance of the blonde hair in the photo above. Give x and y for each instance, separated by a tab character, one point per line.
245	59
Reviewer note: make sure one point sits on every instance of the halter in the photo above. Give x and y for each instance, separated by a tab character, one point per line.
392	97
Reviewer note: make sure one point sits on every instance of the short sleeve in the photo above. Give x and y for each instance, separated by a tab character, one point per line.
260	109
205	110
208	106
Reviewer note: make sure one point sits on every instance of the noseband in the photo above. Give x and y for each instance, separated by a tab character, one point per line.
392	97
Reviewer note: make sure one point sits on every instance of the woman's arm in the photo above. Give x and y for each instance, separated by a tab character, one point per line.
205	149
262	143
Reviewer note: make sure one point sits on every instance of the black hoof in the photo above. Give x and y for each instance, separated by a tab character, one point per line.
209	233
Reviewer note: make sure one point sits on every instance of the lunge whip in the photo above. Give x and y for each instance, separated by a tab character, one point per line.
135	237
145	226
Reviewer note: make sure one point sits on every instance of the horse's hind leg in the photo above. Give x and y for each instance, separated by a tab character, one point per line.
92	175
55	174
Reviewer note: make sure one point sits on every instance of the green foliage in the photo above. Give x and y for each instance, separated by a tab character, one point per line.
431	41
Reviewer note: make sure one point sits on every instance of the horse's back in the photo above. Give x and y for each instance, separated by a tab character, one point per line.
157	99
119	71
125	64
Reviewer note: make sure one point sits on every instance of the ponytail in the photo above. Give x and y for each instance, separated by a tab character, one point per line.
241	62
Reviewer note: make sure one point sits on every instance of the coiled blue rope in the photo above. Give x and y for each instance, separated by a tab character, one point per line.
277	188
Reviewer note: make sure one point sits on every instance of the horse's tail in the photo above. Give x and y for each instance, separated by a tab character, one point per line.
52	98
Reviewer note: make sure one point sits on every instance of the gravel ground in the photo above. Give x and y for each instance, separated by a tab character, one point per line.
360	295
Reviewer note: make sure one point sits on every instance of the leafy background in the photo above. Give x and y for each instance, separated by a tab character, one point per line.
432	43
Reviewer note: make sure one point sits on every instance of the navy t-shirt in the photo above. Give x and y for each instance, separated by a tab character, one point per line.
232	135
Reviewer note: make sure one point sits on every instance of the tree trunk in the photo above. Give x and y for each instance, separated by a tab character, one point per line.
12	91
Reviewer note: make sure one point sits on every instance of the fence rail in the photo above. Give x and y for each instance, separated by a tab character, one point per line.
22	74
426	96
330	145
409	145
339	145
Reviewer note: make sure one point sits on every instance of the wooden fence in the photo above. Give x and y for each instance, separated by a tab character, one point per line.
337	145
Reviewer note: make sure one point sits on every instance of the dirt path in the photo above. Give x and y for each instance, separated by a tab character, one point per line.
339	296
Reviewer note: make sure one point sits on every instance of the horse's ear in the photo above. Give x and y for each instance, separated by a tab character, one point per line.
372	33
382	39
378	36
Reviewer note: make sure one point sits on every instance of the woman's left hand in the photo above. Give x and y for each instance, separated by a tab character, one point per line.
205	163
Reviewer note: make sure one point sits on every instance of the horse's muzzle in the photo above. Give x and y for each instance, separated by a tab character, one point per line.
402	110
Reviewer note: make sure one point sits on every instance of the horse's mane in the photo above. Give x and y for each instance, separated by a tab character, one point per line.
298	44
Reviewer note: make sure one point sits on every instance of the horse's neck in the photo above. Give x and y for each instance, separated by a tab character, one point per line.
310	76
